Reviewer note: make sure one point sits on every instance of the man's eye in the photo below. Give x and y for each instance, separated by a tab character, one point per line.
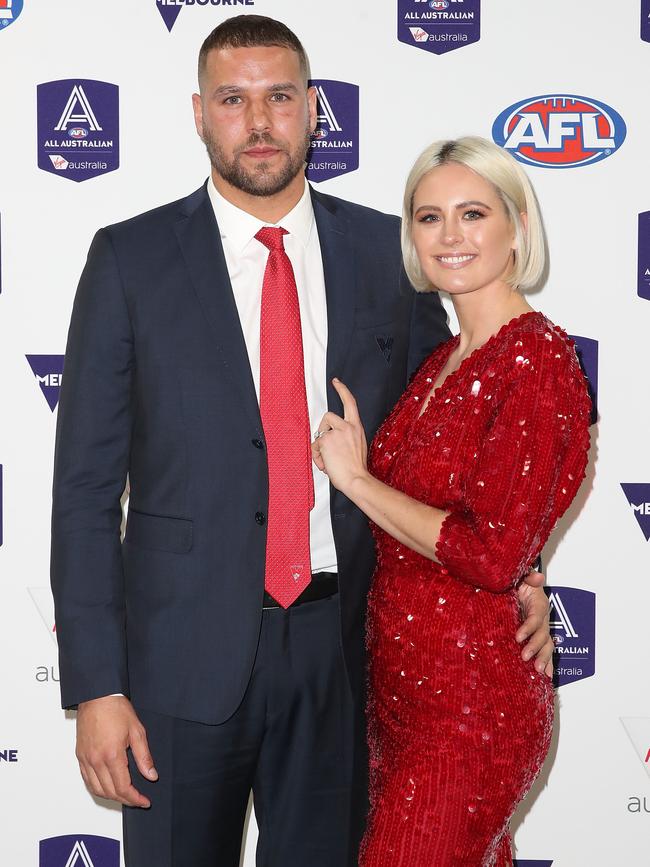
280	97
232	100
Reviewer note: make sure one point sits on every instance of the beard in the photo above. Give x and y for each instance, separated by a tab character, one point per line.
262	181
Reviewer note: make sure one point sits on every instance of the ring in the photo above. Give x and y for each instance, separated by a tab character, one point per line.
319	433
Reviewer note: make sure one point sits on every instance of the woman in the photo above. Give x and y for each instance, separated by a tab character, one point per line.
464	483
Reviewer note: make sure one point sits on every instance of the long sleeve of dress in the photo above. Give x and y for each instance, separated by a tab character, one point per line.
528	468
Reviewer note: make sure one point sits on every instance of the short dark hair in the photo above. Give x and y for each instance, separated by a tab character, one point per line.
248	31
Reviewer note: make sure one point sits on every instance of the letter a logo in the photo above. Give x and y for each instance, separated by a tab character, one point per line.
73	850
559	617
77	110
638	731
326	114
79	856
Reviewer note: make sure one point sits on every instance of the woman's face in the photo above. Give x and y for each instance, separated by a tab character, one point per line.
462	234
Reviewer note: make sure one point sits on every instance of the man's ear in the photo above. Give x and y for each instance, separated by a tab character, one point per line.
312	104
197	107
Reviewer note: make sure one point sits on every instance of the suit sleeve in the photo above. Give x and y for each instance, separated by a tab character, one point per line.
529	469
429	326
90	469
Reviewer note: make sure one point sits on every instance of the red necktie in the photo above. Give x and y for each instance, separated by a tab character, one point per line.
283	406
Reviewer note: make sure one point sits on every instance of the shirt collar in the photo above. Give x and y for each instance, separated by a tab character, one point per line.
241	227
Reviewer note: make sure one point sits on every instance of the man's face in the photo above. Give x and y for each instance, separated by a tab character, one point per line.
255	116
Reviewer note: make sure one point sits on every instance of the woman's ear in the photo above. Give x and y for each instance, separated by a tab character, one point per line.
524	221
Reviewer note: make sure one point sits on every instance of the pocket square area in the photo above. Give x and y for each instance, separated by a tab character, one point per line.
385	344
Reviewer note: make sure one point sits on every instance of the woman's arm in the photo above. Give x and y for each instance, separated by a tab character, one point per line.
529	468
341	451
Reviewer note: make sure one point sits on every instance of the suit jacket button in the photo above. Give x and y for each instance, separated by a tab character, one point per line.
260	517
258	444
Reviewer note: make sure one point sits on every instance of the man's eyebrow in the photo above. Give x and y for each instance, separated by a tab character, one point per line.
274	88
227	88
287	85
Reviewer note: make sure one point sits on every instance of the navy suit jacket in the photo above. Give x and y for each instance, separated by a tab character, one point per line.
157	387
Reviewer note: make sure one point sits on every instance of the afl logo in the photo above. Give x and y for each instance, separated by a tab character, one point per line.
559	131
439	4
78	132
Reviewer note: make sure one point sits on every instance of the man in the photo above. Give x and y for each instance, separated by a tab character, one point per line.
221	647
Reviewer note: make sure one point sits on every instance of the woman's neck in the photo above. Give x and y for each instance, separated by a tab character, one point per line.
482	313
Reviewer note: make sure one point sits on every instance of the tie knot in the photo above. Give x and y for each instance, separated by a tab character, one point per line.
271	237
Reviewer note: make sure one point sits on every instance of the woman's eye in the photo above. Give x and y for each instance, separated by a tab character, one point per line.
474	215
428	218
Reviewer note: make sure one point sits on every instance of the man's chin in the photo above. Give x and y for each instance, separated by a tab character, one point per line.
263	183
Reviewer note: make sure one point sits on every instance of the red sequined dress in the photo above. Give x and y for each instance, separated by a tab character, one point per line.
459	724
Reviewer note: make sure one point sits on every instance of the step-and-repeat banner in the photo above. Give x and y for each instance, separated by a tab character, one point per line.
97	126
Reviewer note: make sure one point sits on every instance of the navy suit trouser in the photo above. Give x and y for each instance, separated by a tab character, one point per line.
291	742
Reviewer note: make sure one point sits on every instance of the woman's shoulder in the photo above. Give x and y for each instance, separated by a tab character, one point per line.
536	352
530	340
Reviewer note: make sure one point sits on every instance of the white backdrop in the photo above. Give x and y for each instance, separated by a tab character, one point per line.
583	810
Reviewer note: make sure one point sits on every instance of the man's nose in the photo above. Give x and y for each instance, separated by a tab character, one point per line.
259	117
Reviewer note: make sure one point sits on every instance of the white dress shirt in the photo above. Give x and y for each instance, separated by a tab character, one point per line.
246	259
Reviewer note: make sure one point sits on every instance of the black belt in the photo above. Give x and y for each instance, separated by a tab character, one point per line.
321	586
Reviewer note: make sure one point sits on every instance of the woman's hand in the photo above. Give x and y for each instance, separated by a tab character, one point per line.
340	447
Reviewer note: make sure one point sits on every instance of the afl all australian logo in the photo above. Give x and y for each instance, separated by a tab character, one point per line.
559	131
78	128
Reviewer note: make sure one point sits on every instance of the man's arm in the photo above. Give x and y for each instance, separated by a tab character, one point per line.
90	468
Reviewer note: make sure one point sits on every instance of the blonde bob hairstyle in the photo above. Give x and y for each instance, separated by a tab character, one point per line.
513	187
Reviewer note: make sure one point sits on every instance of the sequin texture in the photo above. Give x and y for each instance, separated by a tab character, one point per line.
459	724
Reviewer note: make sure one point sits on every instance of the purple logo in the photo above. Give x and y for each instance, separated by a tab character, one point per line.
78	128
645	20
638	496
9	11
438	26
559	131
573	629
170	9
587	351
335	142
519	863
85	850
48	370
643	289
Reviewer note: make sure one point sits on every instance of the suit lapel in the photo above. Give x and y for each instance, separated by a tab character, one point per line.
198	236
340	285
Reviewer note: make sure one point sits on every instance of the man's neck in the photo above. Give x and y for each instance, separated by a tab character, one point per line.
268	209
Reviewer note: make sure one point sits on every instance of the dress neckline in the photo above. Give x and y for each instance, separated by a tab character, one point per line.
451	344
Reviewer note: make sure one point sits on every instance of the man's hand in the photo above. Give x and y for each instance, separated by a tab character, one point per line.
535	627
105	728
